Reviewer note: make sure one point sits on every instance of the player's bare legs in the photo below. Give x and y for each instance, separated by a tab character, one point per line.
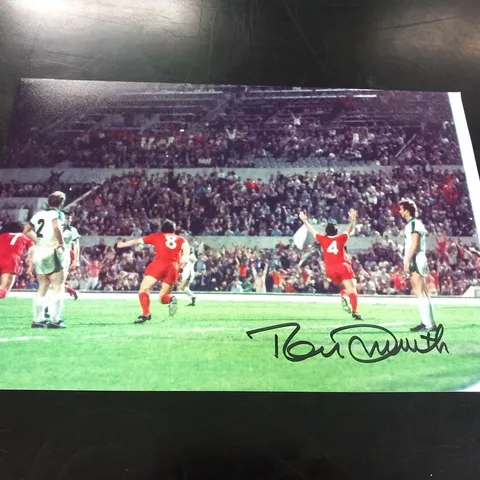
184	287
146	286
56	280
38	301
419	289
351	291
168	299
7	282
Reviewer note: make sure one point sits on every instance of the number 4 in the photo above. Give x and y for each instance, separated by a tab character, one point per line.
332	248
15	237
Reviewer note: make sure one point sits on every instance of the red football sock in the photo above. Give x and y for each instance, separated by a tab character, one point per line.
70	290
3	292
354	301
166	299
144	302
343	292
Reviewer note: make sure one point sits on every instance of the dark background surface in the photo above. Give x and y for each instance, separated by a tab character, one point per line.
410	45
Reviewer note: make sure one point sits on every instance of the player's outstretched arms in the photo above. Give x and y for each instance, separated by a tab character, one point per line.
303	217
131	243
352	215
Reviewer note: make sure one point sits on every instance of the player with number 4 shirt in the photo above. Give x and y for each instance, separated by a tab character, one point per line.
338	267
13	244
171	253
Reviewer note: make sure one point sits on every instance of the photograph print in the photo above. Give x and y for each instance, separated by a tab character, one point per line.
158	237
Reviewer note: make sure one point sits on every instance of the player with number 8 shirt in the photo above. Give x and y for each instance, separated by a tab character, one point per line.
171	252
338	268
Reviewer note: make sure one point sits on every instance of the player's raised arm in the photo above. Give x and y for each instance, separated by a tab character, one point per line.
352	215
303	217
131	243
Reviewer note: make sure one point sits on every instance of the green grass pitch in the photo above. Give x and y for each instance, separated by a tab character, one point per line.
206	348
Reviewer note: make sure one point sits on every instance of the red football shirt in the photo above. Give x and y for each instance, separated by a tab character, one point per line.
333	248
14	244
168	246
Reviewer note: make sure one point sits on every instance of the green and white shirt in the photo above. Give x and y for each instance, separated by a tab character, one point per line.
70	235
415	225
42	225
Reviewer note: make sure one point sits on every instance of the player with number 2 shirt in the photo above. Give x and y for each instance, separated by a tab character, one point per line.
171	253
13	244
338	268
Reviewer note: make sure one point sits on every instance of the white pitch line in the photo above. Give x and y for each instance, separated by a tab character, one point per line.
139	333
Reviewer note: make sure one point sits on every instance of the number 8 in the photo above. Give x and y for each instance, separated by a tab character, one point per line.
171	242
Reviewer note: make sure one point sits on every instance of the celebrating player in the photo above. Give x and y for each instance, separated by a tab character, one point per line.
338	268
187	276
415	263
12	245
171	253
45	229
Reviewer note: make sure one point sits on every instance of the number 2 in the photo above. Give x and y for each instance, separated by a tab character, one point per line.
332	248
171	242
41	222
15	237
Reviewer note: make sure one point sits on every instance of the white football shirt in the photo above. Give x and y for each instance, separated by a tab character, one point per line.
42	225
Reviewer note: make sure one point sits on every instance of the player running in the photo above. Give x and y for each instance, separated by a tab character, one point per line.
171	253
415	263
187	276
13	244
338	268
45	229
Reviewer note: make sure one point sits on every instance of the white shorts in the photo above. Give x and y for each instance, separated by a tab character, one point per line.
188	273
419	264
47	260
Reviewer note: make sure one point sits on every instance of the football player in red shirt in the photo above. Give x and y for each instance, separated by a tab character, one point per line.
13	244
338	267
171	253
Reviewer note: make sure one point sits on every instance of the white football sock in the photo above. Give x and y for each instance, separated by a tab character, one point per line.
188	292
55	308
38	307
426	312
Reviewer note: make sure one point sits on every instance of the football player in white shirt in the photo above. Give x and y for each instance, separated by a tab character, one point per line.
72	248
45	229
187	277
415	263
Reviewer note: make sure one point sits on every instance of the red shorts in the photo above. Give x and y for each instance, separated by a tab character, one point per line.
10	265
340	272
165	272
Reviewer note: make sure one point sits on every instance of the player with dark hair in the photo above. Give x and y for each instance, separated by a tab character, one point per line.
171	253
338	268
13	244
415	263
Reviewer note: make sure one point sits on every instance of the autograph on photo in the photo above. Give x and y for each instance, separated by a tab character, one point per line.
300	350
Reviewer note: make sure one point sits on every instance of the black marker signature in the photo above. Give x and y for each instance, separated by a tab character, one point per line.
390	346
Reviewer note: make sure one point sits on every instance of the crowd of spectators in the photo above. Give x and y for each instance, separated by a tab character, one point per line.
385	130
220	203
15	188
379	270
